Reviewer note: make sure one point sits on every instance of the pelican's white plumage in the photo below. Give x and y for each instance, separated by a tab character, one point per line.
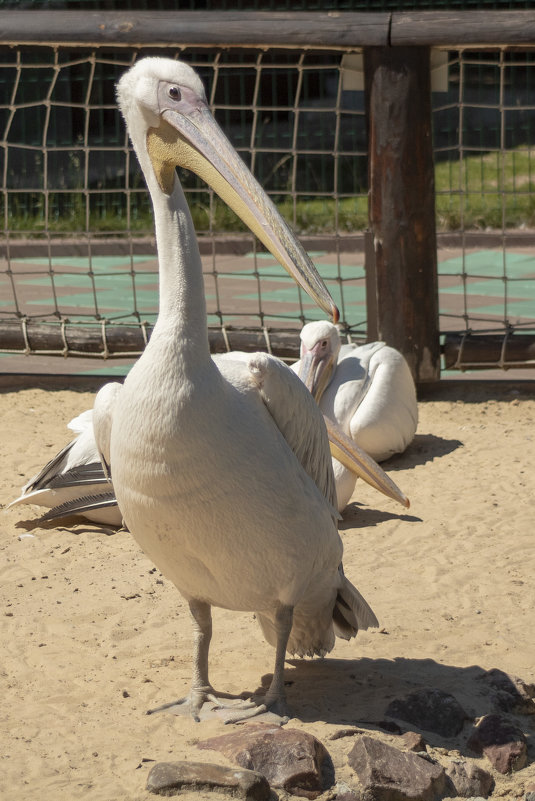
368	390
102	420
206	467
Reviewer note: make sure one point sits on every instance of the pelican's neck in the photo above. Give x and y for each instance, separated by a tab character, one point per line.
182	313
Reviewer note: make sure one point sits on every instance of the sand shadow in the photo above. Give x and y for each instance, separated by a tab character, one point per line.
356	515
72	525
356	693
424	448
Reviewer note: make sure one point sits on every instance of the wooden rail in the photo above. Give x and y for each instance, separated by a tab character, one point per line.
481	351
117	341
200	28
340	29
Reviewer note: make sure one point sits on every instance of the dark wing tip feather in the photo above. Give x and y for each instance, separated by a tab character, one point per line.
79	506
40	480
80	475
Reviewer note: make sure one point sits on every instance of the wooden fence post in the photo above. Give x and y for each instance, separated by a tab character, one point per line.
402	204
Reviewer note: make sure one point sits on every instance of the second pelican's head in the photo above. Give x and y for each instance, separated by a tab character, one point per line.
168	118
320	346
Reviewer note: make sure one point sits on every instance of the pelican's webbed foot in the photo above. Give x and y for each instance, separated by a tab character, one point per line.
275	708
193	704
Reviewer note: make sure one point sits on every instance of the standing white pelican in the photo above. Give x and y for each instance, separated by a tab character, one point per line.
213	484
368	391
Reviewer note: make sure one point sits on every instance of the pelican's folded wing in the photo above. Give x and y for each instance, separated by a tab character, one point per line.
298	418
102	421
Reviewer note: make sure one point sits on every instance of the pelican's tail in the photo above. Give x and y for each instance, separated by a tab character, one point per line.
351	612
316	620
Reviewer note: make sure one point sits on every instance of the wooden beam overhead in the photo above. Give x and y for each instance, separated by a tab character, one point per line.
322	29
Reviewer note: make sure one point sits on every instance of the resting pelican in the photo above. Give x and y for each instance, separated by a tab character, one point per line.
367	390
77	481
74	478
211	479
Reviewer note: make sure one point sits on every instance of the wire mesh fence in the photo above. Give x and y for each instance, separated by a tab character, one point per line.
485	192
78	247
72	191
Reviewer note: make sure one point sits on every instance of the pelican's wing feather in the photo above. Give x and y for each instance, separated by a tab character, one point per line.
50	470
81	505
79	451
79	476
82	422
298	417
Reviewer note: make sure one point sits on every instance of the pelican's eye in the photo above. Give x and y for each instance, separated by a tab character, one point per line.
174	93
324	343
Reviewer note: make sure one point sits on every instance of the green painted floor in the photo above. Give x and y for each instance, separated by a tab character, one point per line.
482	290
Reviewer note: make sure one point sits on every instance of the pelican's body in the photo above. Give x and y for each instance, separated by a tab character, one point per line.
208	473
239	522
368	391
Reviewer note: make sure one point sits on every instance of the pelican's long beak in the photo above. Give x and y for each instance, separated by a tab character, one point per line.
196	141
355	459
316	371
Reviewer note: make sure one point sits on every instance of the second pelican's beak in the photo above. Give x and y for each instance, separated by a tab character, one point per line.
188	136
355	459
316	369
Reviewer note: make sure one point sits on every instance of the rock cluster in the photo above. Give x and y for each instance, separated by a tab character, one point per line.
172	778
388	763
289	759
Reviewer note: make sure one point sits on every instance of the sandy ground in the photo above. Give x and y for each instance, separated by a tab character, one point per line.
92	636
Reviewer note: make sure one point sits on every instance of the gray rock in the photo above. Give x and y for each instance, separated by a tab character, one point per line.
502	742
510	693
412	741
388	774
468	779
430	709
172	778
288	758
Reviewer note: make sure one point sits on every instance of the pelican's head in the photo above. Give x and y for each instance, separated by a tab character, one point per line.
165	108
320	346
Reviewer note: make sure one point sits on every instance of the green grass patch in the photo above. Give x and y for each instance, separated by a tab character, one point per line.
486	190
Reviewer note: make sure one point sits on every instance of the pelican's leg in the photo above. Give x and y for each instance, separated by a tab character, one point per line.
275	698
201	689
